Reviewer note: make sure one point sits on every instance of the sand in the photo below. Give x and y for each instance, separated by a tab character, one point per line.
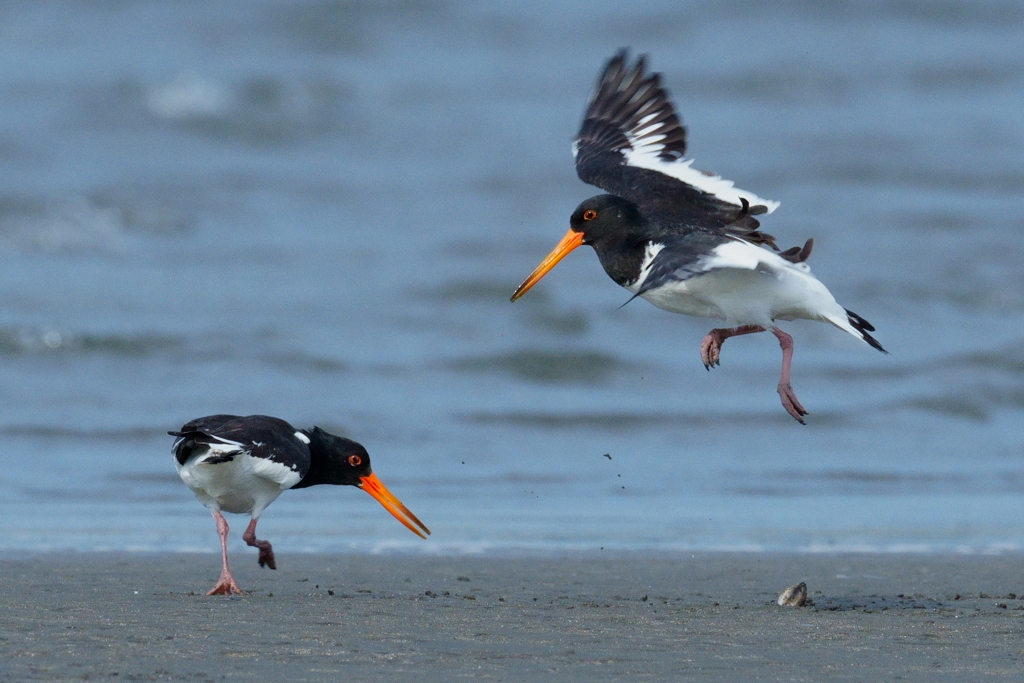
703	617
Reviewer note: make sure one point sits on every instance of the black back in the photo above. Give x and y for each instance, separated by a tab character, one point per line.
261	436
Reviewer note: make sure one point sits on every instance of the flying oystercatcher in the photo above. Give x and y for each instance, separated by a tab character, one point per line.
684	239
242	464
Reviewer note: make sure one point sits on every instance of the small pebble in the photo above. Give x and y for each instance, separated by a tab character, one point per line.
794	596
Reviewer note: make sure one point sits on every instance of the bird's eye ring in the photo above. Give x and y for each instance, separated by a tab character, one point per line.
589	215
355	460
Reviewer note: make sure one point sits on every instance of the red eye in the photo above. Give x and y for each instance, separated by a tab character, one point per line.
355	460
589	215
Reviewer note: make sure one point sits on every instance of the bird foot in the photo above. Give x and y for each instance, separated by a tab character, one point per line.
226	586
711	348
791	404
266	558
711	344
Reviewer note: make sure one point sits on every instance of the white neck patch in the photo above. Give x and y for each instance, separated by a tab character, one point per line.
652	250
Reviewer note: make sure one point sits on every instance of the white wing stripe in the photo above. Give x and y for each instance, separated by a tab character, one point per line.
282	475
737	253
645	155
226	441
226	448
647	131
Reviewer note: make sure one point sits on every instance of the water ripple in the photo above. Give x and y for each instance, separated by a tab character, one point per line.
555	367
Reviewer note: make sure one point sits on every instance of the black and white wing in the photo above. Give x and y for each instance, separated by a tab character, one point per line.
279	451
631	144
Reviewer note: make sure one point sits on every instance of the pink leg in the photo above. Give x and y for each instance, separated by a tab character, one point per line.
266	552
226	583
711	345
789	401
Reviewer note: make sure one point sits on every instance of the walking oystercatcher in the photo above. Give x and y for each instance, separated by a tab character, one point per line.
684	239
241	464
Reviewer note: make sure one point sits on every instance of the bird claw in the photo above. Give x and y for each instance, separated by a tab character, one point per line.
226	586
711	349
791	404
266	558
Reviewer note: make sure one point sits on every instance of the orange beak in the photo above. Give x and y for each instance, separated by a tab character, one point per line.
371	484
571	240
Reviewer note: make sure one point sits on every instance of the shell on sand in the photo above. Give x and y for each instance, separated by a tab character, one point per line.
794	596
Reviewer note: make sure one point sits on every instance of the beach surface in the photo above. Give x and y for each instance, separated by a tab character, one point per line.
709	616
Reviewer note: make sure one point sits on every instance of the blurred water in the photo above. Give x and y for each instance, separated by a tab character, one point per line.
318	210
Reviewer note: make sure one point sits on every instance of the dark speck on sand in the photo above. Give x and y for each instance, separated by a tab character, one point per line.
706	617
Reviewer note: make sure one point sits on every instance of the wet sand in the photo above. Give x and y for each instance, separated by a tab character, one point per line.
713	617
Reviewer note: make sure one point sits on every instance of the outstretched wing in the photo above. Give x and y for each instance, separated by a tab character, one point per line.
631	144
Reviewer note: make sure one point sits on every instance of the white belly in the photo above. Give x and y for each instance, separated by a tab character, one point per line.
749	297
236	486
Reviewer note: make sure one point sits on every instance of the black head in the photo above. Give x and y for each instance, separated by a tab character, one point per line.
606	217
337	460
610	224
